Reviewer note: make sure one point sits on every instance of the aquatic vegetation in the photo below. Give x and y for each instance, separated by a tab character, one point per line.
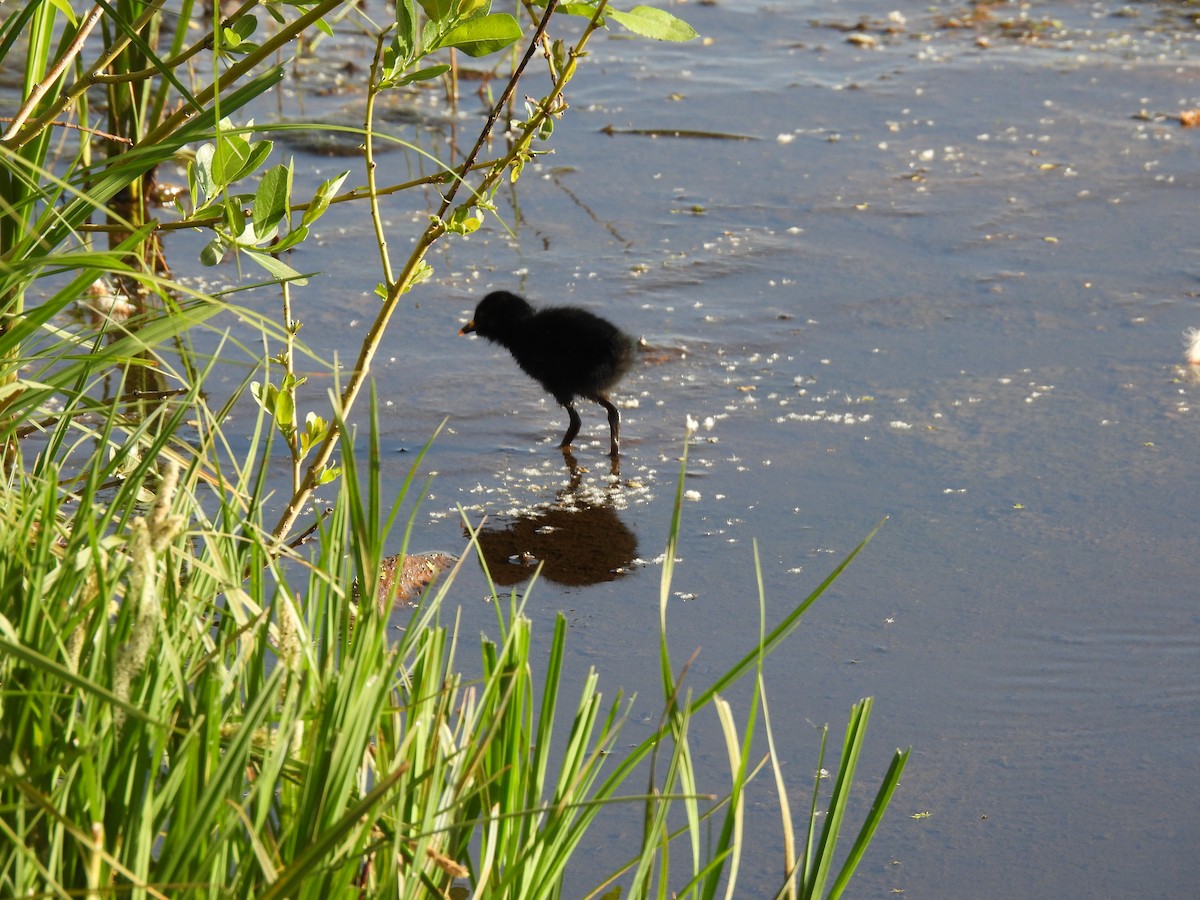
269	736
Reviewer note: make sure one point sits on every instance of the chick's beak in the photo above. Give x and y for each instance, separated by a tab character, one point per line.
468	328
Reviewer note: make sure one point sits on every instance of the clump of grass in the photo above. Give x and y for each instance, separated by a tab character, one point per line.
274	740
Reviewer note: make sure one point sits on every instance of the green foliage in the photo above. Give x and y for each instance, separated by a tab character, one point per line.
235	36
251	223
264	736
653	23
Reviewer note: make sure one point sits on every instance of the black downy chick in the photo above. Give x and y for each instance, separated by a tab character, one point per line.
569	351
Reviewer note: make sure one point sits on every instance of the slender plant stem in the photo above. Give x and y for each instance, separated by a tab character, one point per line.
288	384
498	107
179	59
437	227
369	155
42	87
14	139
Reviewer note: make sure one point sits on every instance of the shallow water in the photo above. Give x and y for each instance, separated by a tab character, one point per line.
944	283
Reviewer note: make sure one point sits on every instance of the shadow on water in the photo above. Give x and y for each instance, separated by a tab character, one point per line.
578	538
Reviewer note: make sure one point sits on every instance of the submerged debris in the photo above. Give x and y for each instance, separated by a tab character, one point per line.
411	575
104	305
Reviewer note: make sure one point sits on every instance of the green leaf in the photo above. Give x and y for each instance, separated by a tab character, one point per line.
272	199
230	156
404	45
315	429
464	220
234	158
423	74
244	26
285	411
654	23
436	9
203	167
64	7
213	252
482	35
422	273
259	151
291	239
264	394
193	185
320	201
235	219
518	166
236	36
278	269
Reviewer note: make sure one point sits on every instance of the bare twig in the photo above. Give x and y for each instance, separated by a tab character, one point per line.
115	138
17	137
51	77
498	108
183	56
436	228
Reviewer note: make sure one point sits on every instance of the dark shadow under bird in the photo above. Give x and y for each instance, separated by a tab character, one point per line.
569	351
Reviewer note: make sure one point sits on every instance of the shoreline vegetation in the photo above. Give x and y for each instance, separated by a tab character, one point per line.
192	702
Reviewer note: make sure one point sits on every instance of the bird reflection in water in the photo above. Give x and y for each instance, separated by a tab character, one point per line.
578	539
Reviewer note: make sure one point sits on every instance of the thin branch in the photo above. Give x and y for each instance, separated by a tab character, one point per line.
207	221
498	108
436	228
304	536
369	159
115	138
205	43
51	77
